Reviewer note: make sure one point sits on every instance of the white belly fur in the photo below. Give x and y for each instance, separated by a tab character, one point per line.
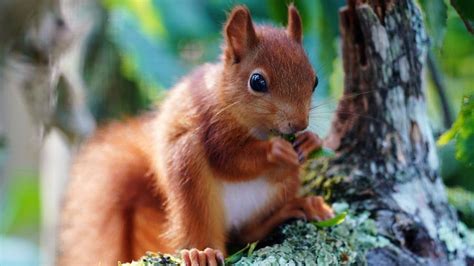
242	200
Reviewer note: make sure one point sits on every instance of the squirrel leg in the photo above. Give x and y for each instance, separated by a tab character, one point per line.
309	208
195	214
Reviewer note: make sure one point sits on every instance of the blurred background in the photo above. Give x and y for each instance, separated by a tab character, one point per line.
67	66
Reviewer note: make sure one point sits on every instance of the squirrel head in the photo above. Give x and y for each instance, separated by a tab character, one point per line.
267	80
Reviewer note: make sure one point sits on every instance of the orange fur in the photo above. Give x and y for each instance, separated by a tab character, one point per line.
157	182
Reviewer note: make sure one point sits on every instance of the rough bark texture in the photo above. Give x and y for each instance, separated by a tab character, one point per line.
387	153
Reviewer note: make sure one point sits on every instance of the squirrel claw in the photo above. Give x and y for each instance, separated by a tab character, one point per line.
282	152
305	143
208	256
311	208
316	208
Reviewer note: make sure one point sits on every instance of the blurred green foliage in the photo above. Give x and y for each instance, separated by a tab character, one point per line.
457	148
456	58
21	209
463	200
462	132
465	9
159	41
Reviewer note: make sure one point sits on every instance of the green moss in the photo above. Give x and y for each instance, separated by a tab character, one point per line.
467	236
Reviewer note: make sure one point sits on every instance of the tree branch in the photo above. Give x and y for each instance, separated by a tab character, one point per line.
440	87
469	25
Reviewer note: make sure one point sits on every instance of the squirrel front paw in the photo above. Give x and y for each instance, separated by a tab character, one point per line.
311	208
282	153
208	256
305	143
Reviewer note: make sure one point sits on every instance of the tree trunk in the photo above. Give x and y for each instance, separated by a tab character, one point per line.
383	139
41	52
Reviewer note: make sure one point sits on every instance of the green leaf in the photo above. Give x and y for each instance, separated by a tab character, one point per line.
435	14
338	219
324	152
239	254
463	201
462	132
289	137
236	256
252	248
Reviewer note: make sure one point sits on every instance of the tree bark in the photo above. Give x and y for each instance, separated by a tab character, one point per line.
381	133
41	53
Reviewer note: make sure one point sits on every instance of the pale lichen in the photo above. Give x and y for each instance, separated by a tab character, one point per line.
451	239
467	236
305	244
154	259
404	196
461	239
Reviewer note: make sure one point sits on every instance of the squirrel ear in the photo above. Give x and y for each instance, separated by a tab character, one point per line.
239	34
294	28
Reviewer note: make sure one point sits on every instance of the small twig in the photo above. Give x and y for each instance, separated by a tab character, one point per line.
440	87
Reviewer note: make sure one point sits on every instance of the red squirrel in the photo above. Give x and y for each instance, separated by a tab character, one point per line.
202	171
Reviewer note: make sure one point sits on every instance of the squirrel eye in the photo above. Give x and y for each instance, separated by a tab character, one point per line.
258	83
316	81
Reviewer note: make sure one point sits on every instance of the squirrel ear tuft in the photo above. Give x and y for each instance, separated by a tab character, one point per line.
239	34
295	27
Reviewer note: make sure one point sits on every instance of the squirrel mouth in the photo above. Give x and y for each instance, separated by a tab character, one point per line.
266	134
278	133
275	132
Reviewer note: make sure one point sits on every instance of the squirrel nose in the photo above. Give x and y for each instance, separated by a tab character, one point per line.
298	126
